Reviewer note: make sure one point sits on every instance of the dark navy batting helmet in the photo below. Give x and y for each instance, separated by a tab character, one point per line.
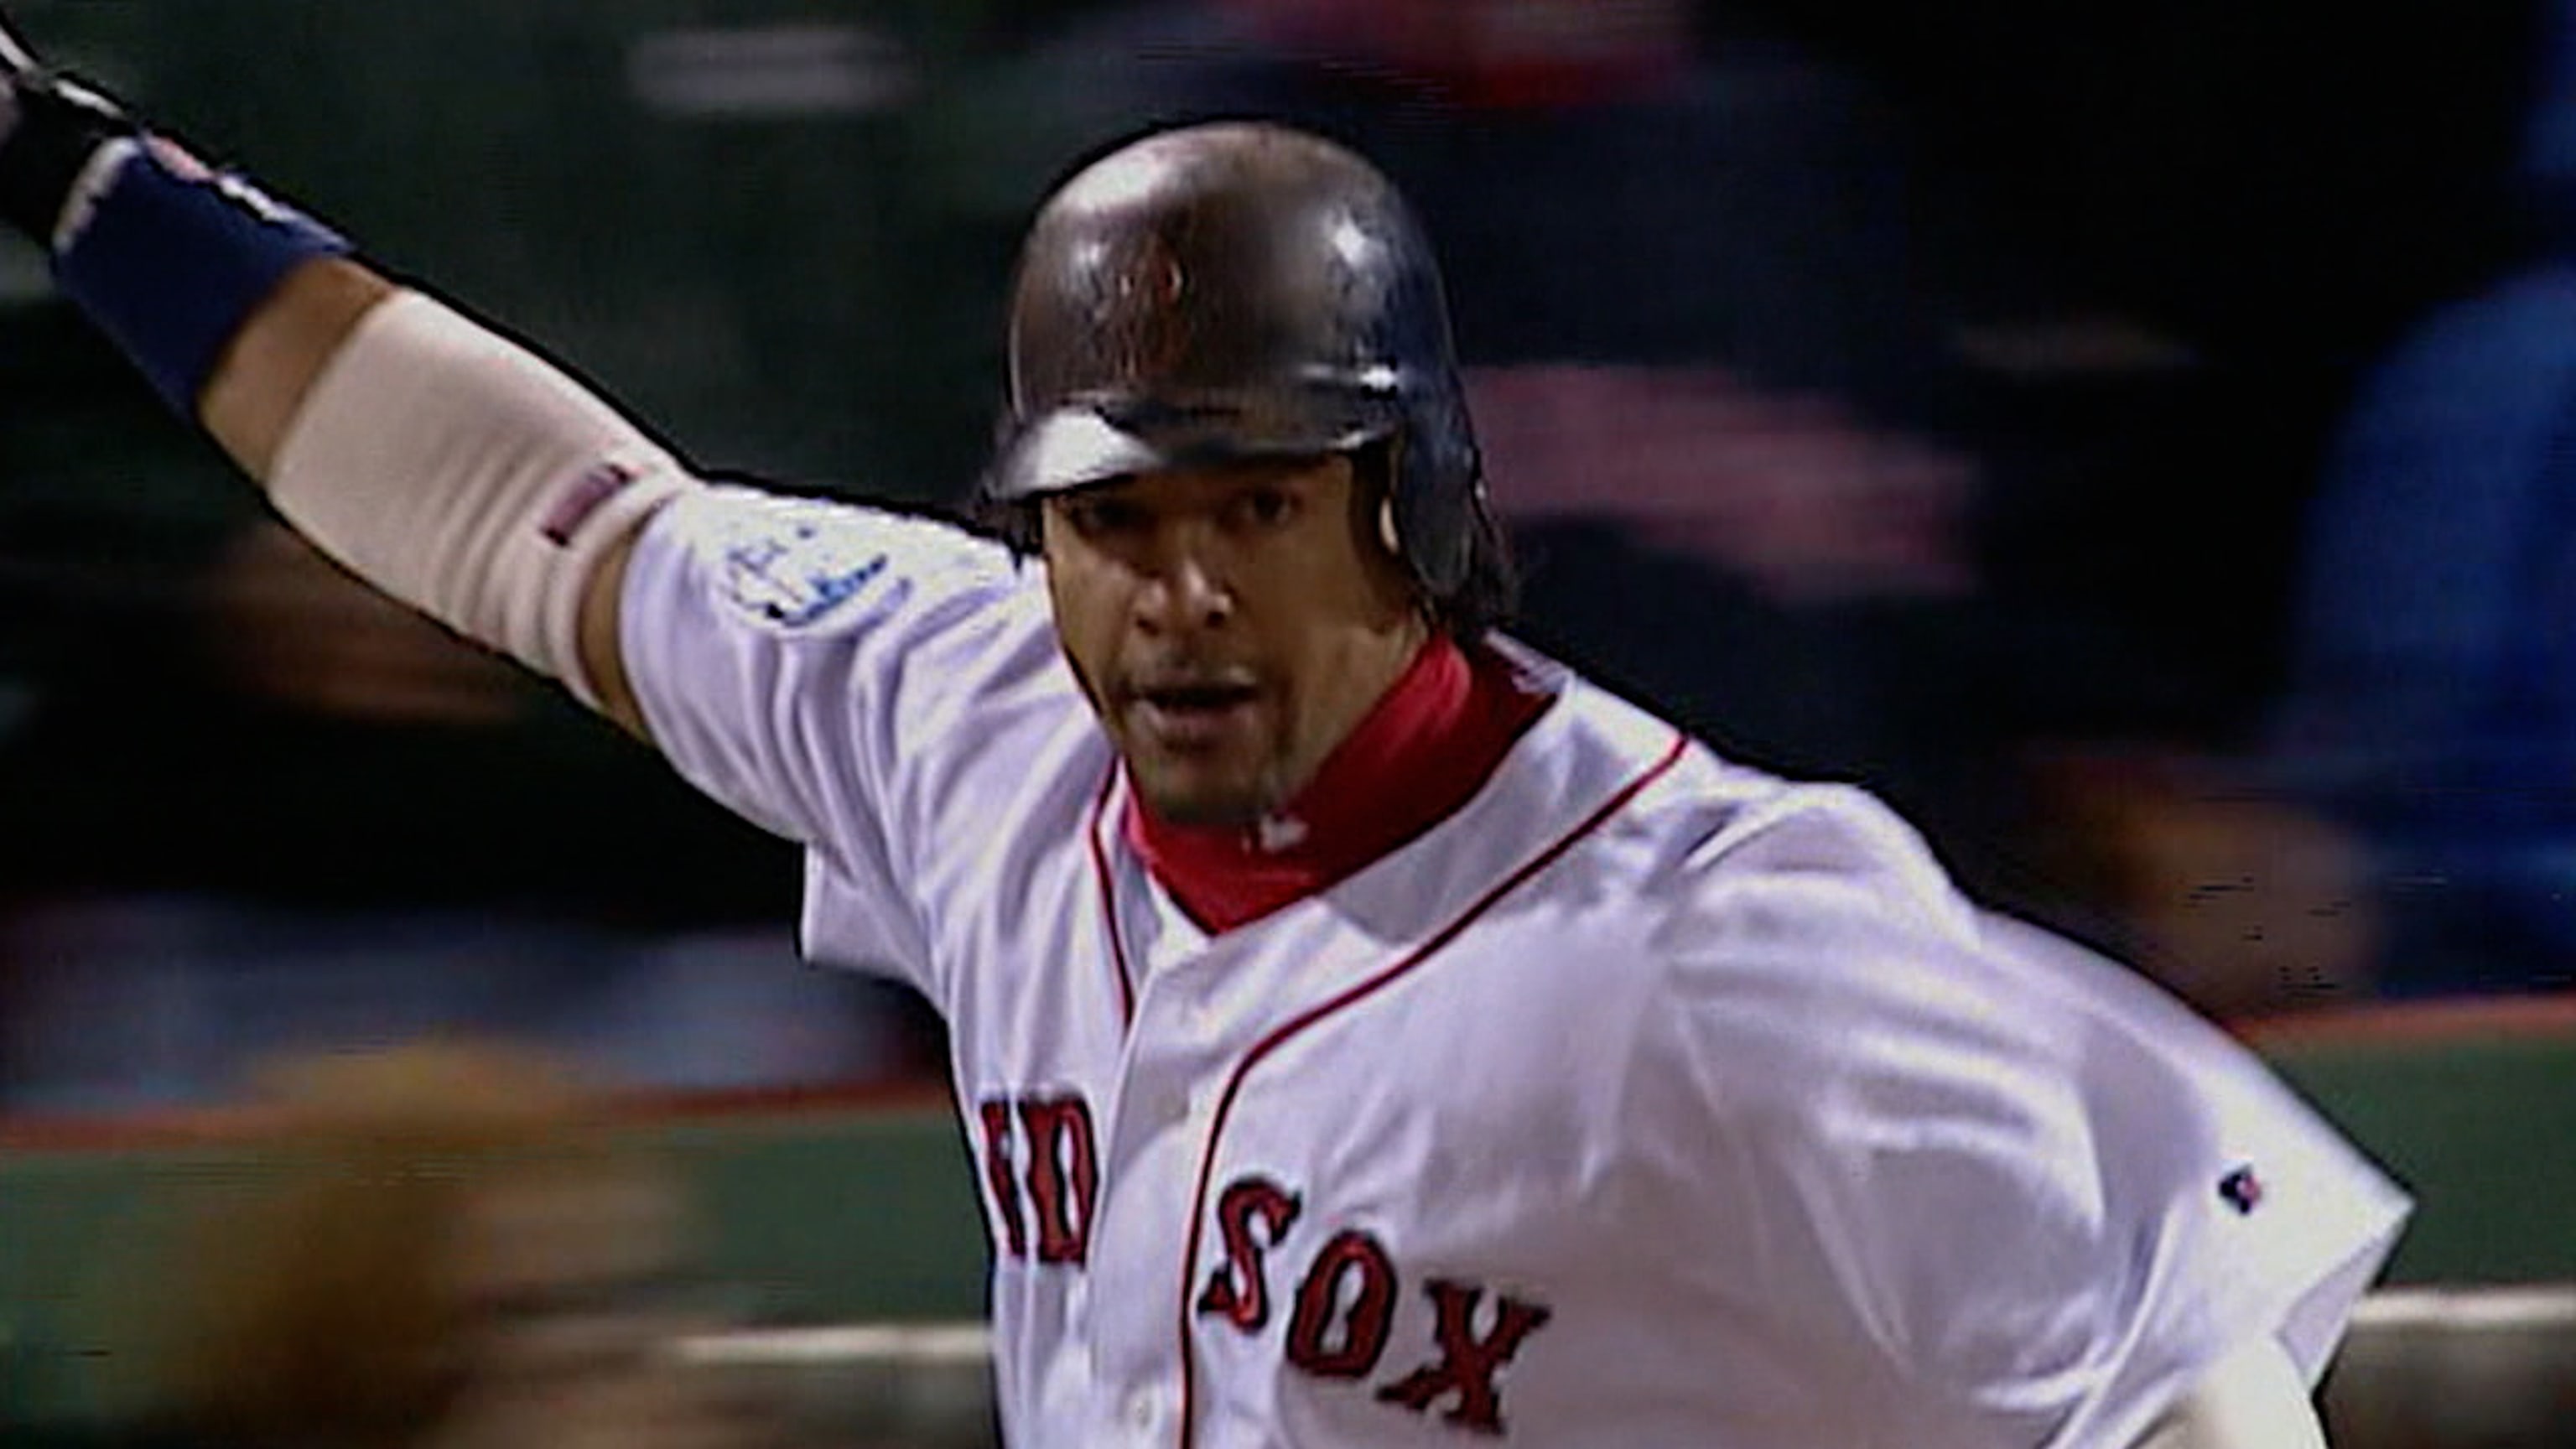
1230	291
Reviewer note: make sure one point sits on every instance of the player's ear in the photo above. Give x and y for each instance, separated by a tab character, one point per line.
1373	495
1373	519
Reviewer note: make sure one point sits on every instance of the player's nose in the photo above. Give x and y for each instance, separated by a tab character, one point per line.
1187	591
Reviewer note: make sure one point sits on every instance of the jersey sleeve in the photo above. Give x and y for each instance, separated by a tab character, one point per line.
2010	1189
775	646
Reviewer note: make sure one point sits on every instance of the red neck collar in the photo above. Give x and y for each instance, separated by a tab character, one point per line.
1425	749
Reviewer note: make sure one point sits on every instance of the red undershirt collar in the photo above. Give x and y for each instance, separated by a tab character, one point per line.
1423	751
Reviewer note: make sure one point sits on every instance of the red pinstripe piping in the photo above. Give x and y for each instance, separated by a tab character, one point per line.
1356	993
1109	904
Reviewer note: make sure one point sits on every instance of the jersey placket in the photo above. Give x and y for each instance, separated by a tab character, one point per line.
1177	1049
1204	1010
1202	1005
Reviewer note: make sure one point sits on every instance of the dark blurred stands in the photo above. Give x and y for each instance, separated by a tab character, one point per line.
1885	391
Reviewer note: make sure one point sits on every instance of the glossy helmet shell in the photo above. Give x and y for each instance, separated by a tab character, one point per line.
1231	291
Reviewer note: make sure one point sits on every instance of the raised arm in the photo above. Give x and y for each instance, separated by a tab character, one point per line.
263	374
257	390
441	463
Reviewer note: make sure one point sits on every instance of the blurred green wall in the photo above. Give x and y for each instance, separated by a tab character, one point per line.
843	1214
817	1216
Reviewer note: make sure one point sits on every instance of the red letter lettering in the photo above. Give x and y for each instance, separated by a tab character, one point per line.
1319	1301
996	1116
1236	1289
1062	1175
1467	1363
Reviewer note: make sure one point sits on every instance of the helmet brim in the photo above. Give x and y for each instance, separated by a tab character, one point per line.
1083	444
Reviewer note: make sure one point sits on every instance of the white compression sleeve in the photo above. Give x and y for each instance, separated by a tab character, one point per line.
466	477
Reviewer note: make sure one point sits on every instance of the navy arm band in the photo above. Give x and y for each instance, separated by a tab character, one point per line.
169	259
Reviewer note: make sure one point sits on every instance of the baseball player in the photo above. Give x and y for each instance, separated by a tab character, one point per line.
1367	1031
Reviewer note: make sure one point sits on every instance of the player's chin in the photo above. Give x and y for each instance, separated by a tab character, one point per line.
1212	768
1199	791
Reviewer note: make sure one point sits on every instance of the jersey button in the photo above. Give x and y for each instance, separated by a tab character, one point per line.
1140	1410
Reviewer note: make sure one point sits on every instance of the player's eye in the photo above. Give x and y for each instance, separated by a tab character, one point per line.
1105	517
1264	506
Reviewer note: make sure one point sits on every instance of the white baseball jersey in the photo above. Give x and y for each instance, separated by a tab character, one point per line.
1644	1101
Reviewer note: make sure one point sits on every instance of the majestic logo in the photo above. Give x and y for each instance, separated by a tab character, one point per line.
2241	1190
1342	1310
234	187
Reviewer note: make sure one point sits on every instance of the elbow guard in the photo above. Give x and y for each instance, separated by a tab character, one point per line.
461	474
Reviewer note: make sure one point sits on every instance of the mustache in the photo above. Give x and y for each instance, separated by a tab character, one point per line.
1168	676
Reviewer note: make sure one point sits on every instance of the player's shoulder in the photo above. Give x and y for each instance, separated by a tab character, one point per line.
1718	866
776	625
1710	821
1747	884
1819	883
1805	934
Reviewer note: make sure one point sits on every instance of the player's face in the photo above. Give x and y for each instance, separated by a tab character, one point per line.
1230	624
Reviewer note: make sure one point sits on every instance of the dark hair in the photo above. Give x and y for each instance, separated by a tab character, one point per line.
1012	520
1489	595
1490	589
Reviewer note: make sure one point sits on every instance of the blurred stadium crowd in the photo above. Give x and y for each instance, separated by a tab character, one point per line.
2134	440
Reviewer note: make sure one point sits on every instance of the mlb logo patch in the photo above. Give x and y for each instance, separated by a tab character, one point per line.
2241	1190
800	563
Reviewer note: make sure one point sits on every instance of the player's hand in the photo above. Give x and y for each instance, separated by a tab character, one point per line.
169	257
50	127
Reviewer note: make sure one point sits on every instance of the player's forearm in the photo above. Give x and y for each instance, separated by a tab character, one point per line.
470	478
270	364
446	465
250	403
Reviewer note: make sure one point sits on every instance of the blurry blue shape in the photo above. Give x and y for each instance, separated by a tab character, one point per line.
2433	703
2433	697
2548	160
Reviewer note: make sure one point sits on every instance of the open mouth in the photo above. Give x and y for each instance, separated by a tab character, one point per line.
1196	714
1197	698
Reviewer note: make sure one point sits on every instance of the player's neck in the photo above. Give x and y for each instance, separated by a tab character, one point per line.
1426	747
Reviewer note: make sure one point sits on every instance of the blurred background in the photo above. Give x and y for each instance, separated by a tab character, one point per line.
2140	442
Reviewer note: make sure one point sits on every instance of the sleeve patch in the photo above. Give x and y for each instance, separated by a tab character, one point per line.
792	567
